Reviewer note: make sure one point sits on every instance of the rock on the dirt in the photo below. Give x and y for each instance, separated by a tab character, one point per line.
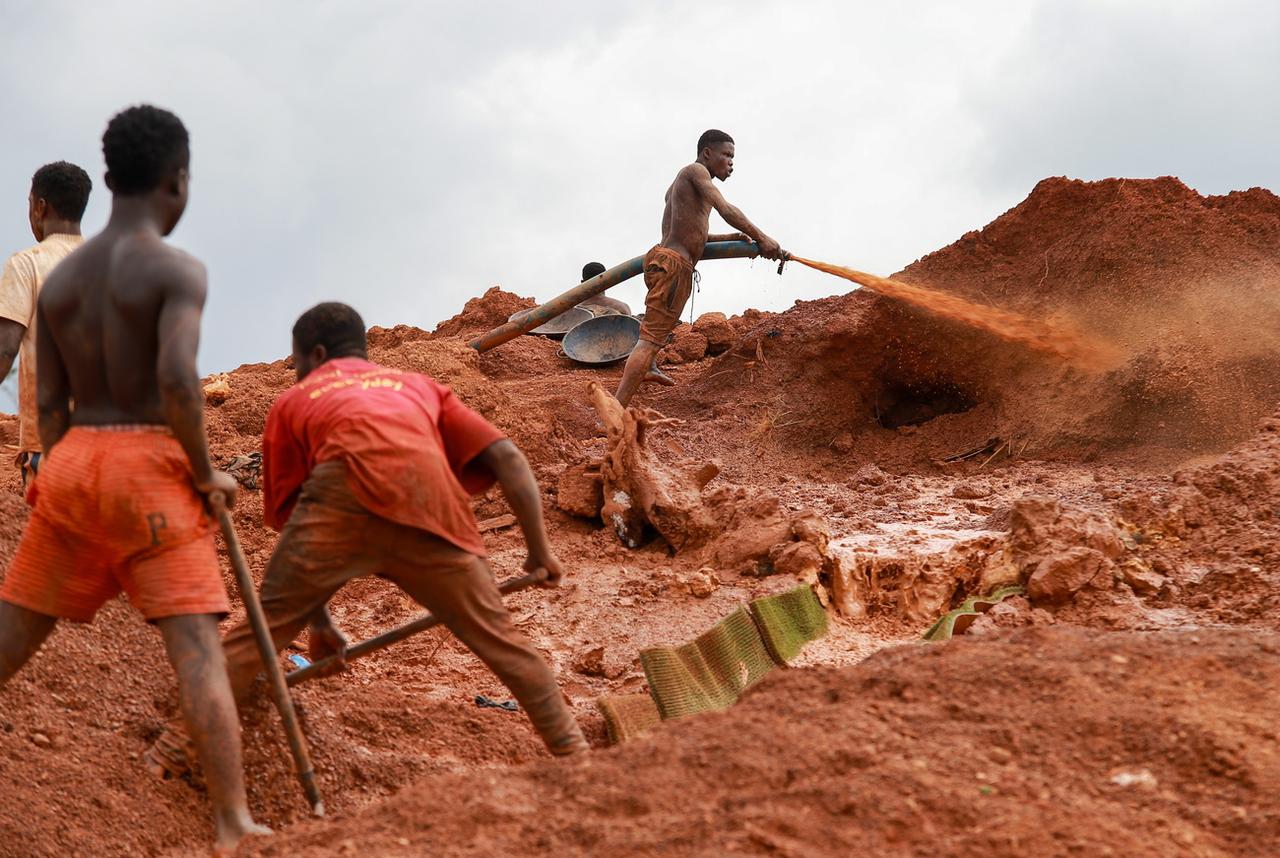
685	347
800	560
591	662
1013	612
1140	577
1062	549
843	443
579	492
597	662
718	331
218	389
1039	525
702	583
868	475
971	490
1058	577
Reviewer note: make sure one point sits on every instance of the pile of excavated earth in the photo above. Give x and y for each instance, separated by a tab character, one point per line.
1122	702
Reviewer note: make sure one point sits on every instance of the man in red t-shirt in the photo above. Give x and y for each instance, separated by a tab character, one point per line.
368	471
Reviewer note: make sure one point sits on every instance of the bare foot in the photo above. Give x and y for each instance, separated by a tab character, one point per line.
659	377
230	834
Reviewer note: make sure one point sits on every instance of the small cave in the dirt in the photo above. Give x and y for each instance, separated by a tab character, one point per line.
910	403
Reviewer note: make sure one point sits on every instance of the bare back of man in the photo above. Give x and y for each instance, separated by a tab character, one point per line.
118	502
668	267
103	315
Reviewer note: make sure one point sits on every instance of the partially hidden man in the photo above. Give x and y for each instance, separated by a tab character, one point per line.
58	197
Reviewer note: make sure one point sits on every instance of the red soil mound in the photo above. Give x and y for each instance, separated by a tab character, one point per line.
1162	742
1185	285
478	315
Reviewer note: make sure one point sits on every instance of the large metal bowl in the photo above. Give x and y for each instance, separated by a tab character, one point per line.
601	340
560	325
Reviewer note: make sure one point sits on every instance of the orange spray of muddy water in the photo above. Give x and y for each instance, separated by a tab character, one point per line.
1055	337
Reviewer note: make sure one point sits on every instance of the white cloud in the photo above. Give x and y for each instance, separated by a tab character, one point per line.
1140	88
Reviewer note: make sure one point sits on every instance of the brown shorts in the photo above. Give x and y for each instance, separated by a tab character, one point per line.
116	509
331	539
669	279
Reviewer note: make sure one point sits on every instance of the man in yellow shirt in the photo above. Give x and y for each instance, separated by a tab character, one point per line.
59	194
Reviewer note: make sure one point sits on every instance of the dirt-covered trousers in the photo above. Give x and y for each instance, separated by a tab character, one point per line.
331	539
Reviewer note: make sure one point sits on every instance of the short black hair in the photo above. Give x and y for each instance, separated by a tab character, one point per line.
591	269
711	137
64	186
142	146
334	325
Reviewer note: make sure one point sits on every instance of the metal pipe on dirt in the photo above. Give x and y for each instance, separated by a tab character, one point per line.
399	633
270	659
590	288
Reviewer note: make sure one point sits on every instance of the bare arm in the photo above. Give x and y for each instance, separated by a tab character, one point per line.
178	332
11	334
53	387
732	214
511	468
729	236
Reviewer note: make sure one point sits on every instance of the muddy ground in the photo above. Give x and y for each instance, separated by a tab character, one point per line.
1119	707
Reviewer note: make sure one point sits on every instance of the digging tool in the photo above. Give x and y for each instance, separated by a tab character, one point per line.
270	661
399	633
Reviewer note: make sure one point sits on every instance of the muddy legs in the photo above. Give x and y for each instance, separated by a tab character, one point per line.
21	633
195	652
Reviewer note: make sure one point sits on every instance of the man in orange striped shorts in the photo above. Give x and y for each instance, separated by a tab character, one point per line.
119	498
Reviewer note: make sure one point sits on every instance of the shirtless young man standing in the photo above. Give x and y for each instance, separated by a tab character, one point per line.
119	500
668	267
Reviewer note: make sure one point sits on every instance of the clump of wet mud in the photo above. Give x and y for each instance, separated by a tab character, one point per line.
735	529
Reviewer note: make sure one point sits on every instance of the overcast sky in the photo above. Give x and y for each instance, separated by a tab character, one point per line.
405	156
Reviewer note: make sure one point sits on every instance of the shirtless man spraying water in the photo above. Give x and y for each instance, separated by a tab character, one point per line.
668	267
119	500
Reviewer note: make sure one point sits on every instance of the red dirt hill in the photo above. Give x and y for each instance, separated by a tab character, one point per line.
1162	742
1188	286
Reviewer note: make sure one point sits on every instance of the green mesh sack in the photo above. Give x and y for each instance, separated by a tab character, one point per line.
628	715
709	673
957	621
788	621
